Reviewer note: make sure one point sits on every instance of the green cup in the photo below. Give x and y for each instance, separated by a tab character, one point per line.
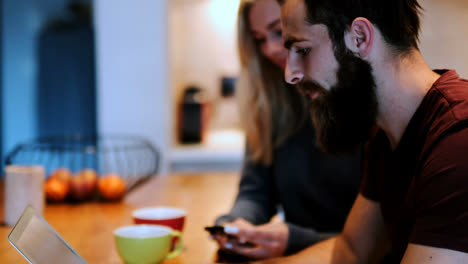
145	244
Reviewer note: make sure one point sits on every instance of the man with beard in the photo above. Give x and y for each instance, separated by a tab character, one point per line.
359	63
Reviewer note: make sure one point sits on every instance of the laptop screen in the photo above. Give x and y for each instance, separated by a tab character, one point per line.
38	242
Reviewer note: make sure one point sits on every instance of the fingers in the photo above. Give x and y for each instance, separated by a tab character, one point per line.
269	240
245	233
250	233
237	226
242	229
225	241
257	252
222	241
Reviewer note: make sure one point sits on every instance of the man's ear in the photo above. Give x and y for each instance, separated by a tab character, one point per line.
360	37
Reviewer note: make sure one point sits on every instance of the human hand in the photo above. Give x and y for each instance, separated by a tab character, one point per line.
269	240
226	239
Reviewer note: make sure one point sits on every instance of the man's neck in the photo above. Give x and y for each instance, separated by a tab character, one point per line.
401	87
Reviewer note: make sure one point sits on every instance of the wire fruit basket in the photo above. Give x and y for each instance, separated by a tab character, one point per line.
132	158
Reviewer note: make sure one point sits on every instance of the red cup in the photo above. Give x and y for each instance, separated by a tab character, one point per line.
167	216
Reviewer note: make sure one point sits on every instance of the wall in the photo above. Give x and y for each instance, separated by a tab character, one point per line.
1	82
132	69
203	46
21	22
444	35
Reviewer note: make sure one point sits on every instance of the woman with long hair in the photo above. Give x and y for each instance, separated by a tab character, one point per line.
283	167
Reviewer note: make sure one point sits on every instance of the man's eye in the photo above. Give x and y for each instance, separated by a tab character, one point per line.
303	51
278	33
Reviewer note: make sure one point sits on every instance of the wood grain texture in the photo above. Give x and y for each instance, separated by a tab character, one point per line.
88	227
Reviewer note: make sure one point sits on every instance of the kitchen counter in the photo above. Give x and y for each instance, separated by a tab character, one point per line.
88	227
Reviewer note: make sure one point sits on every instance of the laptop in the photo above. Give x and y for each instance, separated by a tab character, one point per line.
39	243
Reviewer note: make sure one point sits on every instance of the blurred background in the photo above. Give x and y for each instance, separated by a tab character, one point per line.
163	70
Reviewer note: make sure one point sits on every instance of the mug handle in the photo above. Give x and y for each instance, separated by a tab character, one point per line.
179	247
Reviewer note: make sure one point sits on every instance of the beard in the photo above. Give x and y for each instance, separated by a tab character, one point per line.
344	115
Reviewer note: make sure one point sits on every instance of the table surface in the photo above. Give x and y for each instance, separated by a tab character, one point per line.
88	227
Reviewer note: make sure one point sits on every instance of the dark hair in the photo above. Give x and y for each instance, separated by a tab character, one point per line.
397	20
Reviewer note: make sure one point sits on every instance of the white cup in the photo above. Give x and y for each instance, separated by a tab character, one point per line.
24	185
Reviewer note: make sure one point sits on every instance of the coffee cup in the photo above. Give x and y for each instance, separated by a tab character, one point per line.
147	243
168	216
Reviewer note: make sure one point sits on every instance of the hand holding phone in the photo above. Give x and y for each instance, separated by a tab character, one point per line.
224	255
228	232
266	241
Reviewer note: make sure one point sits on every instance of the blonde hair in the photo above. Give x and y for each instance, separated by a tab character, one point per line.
270	110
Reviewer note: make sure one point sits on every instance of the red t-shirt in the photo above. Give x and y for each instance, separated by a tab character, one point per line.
422	186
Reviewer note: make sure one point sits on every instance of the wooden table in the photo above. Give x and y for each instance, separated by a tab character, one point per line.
88	227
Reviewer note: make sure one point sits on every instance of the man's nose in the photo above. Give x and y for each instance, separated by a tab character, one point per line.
292	74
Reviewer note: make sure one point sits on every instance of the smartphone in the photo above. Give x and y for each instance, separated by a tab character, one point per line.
216	230
223	255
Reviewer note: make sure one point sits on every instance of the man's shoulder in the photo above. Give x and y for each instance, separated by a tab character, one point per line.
452	93
445	106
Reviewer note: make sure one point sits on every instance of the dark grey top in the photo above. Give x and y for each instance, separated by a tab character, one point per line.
316	191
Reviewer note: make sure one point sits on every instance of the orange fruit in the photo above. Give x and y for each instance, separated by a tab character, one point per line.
83	184
62	174
55	190
111	187
88	175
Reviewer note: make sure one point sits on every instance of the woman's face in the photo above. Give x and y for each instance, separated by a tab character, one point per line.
265	25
